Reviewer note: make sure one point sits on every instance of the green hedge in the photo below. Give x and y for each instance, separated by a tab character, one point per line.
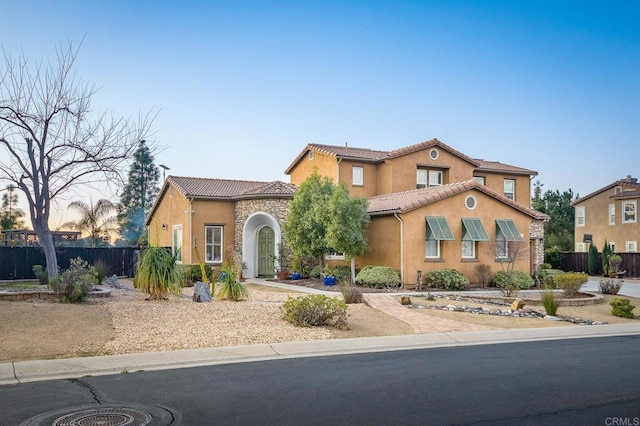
447	279
378	277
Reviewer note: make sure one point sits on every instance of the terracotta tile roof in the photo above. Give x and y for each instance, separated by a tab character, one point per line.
401	202
376	156
629	182
496	166
633	193
428	144
192	187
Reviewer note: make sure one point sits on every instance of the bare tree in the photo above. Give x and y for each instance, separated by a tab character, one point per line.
51	140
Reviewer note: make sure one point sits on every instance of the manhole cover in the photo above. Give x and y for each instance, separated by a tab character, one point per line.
108	415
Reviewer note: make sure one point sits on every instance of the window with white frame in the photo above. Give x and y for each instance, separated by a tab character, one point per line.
580	216
433	249
631	246
612	245
479	179
213	243
502	246
176	244
617	190
358	175
629	211
426	178
468	249
612	214
334	256
581	247
510	189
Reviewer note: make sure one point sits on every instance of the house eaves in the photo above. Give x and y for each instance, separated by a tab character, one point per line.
628	182
430	144
498	167
364	155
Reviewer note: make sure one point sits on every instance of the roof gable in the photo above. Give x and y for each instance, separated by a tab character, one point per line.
629	182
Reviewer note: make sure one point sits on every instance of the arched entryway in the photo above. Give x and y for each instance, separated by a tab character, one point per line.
257	244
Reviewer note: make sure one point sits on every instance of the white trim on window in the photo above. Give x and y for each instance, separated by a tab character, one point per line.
631	246
580	247
479	179
213	243
471	202
612	214
426	178
580	216
432	249
334	256
510	188
357	175
176	242
629	211
468	249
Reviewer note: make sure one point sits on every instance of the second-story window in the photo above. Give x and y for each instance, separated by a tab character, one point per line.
580	216
612	214
629	212
426	178
510	189
479	179
358	176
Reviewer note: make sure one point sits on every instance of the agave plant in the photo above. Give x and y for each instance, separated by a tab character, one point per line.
157	274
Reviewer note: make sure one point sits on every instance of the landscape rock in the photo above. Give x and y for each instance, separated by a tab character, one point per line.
405	300
201	292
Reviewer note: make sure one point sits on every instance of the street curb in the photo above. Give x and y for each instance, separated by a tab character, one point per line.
41	370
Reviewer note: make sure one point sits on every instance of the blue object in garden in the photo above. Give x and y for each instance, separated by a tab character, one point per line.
296	276
329	280
223	276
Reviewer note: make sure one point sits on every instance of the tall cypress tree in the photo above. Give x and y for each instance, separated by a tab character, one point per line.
138	195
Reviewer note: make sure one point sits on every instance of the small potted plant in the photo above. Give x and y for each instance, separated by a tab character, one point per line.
282	263
328	278
614	266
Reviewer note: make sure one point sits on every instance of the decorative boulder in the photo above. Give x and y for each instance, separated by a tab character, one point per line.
517	304
405	300
201	292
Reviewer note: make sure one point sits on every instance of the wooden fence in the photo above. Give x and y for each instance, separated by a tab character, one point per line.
17	262
578	262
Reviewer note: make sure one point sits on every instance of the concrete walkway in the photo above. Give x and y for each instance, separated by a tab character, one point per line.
427	329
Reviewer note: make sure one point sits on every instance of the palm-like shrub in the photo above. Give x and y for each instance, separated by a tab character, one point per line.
550	303
157	273
230	287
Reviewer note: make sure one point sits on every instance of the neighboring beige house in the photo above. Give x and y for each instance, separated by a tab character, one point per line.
611	214
431	207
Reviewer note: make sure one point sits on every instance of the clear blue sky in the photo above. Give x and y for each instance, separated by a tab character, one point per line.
242	87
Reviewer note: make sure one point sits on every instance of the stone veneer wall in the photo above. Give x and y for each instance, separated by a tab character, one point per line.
276	207
536	233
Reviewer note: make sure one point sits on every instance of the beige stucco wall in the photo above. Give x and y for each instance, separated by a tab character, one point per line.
495	181
385	244
369	187
399	173
327	166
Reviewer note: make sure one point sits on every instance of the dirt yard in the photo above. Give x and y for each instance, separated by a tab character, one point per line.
127	323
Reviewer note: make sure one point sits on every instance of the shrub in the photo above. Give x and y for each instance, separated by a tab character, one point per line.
303	264
74	284
378	277
483	272
548	277
550	303
592	260
610	286
511	282
622	308
553	256
313	310
193	273
341	272
315	272
545	266
41	274
157	273
351	293
101	269
447	279
571	282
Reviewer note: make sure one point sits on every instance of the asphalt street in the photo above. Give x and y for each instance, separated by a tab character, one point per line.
589	381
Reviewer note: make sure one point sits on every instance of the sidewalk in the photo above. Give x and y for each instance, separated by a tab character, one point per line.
426	328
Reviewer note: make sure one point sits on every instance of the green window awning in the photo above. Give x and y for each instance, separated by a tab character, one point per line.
438	228
508	229
473	229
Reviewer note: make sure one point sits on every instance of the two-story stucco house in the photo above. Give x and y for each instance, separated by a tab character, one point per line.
609	214
431	207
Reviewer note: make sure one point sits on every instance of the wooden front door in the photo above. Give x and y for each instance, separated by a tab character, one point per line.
266	251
